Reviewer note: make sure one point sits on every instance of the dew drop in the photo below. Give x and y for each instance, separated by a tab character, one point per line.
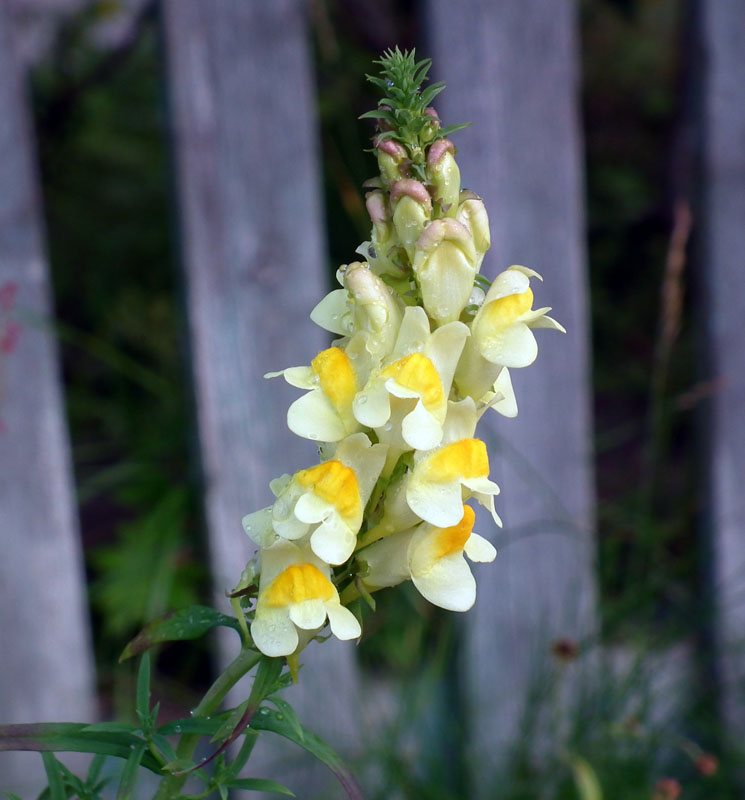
312	436
362	399
263	711
280	717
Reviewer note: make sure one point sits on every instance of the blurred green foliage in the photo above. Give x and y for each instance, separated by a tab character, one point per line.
106	179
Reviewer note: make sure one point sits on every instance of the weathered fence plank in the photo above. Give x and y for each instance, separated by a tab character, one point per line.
46	670
511	70
243	116
722	258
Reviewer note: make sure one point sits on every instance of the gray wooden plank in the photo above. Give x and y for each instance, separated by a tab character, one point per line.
246	150
46	669
511	69
722	261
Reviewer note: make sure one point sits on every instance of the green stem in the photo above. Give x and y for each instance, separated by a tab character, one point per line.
170	786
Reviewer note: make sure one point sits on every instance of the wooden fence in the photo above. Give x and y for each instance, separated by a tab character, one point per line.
247	172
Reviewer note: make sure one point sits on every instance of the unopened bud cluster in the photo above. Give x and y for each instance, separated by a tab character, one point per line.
423	350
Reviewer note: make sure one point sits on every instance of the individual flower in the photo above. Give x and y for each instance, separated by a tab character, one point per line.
325	412
420	369
325	501
445	265
433	558
501	332
366	312
443	477
296	592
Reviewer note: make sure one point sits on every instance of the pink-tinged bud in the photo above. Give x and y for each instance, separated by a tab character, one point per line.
472	214
430	112
444	175
393	159
438	149
412	210
445	266
377	208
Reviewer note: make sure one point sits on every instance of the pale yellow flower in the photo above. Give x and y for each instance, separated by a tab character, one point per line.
407	399
296	592
433	558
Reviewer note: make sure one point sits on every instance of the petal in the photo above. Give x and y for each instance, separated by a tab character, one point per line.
301	377
514	347
371	406
479	549
507	405
311	508
333	541
344	624
258	527
440	504
448	584
308	615
414	331
444	348
273	632
332	313
420	429
547	322
387	560
314	417
511	281
460	422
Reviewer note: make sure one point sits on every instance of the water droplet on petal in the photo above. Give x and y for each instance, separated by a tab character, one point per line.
362	399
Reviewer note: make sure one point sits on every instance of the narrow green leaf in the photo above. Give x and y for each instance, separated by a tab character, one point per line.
229	723
110	727
143	688
12	796
164	746
187	623
129	773
288	712
237	764
54	776
260	785
448	129
204	726
71	737
178	764
275	722
223	790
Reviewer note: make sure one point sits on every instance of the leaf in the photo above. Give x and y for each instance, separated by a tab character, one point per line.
288	712
203	726
143	689
585	779
164	746
12	796
237	764
267	720
448	129
71	737
110	727
187	623
129	773
230	722
259	785
54	776
178	764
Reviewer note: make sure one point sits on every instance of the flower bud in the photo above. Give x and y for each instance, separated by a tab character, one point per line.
472	213
444	175
412	210
445	266
377	313
382	238
392	158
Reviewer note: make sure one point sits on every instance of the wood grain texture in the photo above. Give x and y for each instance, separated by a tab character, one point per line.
722	244
46	670
511	69
247	159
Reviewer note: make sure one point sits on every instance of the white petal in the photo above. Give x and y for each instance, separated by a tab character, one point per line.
301	377
448	584
414	331
344	624
506	283
507	406
548	322
309	614
420	429
258	526
332	312
387	560
313	416
444	348
278	485
460	422
372	406
273	633
332	541
479	549
515	347
440	504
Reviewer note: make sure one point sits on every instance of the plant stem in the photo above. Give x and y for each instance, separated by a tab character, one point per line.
171	785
